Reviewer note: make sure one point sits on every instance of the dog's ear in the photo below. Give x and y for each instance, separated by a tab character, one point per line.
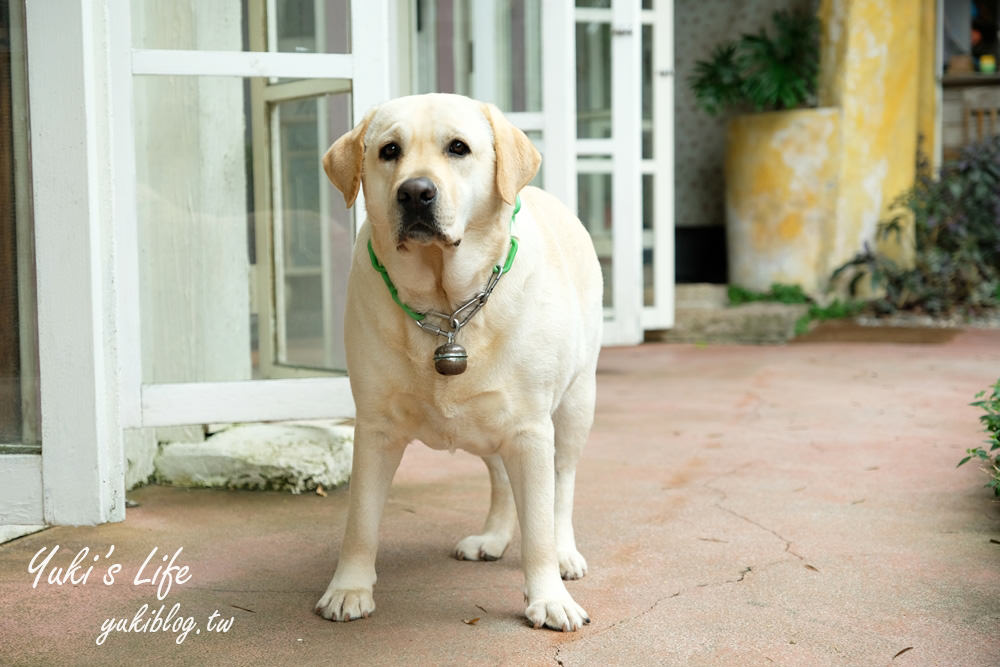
517	157
342	162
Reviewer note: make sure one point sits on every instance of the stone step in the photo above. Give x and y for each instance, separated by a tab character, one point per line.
287	456
703	315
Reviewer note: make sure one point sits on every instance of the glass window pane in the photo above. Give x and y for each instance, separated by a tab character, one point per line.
313	234
593	80
647	92
446	53
193	175
442	48
518	61
230	190
594	205
298	26
19	399
648	238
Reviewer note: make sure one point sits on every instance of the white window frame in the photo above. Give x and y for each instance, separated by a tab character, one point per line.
621	156
661	314
623	320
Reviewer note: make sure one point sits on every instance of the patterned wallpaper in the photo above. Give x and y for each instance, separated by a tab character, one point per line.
700	139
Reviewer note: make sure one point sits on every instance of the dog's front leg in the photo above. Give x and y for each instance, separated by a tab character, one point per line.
528	458
349	595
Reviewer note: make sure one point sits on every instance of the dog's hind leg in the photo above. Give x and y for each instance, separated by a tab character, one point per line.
500	521
572	420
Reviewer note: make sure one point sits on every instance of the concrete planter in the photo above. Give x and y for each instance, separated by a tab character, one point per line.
781	195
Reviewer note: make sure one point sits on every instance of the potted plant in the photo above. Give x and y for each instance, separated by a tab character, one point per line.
781	167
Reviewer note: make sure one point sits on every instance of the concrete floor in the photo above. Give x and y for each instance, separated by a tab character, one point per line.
792	505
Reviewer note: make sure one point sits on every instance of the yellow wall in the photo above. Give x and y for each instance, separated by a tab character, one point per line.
781	192
870	69
805	189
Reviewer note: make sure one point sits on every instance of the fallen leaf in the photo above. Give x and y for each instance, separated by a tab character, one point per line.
470	621
810	567
482	609
320	491
908	648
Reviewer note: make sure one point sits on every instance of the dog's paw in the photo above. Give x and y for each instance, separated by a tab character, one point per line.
559	614
571	564
481	547
338	604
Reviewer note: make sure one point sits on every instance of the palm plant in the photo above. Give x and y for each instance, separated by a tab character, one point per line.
760	72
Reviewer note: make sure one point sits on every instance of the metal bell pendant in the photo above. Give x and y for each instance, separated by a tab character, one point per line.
450	359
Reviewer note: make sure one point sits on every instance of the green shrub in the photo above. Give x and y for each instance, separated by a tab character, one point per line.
956	239
761	73
793	294
991	424
778	292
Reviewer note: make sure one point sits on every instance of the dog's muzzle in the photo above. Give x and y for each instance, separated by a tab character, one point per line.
416	198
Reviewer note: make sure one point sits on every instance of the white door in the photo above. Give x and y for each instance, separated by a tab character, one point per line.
244	248
154	266
592	86
624	149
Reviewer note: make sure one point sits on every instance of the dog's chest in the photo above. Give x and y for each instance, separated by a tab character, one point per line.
476	423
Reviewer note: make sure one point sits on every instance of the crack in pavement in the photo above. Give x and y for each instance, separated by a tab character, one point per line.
788	543
725	496
747	570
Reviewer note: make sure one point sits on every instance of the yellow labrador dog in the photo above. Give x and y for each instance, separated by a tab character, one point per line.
473	321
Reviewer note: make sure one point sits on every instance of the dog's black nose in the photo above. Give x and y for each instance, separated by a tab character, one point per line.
416	194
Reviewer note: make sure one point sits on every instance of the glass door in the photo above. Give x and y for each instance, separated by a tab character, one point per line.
491	50
624	148
244	250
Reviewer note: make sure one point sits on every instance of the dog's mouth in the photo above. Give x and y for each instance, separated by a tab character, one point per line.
422	230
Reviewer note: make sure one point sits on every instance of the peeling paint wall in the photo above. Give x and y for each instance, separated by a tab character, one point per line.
871	63
781	194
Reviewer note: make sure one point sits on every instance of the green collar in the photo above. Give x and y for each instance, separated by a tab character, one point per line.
498	270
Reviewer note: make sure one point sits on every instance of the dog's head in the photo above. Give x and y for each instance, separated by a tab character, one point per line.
431	166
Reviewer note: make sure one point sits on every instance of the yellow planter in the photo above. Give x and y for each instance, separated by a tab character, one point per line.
781	195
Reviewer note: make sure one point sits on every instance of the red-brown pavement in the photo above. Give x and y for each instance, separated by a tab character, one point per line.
737	505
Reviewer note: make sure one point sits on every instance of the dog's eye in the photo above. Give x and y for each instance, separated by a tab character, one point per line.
458	148
389	152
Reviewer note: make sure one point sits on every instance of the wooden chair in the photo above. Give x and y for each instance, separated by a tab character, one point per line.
980	113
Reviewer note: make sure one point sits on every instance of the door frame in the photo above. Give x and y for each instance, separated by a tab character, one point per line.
78	478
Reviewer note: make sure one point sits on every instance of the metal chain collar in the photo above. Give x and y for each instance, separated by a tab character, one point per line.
456	320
